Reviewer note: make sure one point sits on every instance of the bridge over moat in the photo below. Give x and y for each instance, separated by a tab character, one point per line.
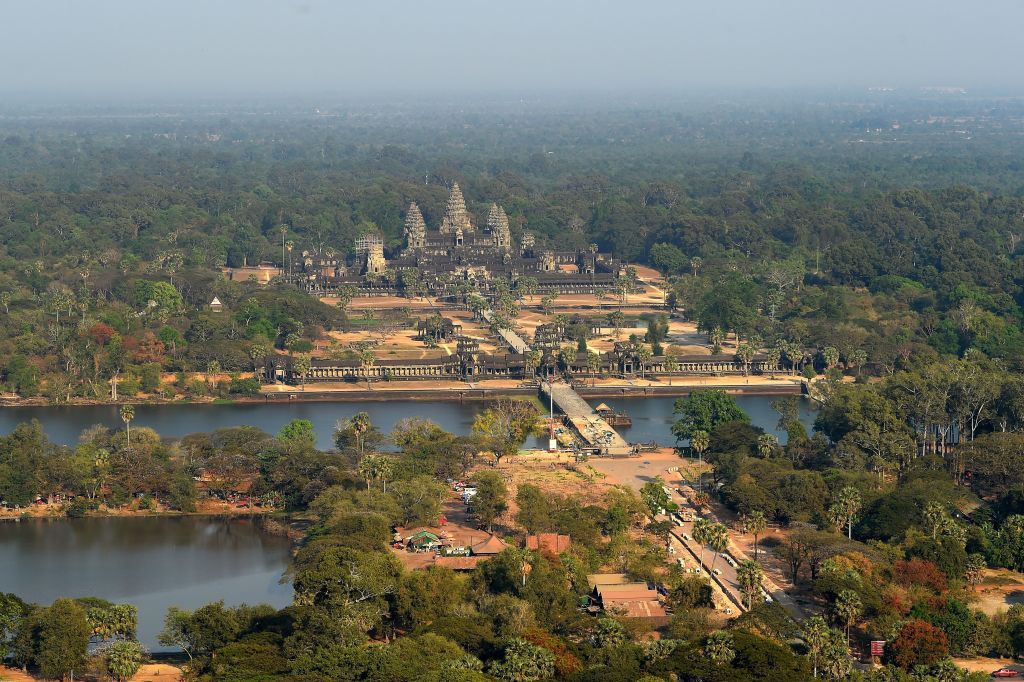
589	424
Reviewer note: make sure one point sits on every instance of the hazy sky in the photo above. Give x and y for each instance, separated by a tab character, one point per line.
258	46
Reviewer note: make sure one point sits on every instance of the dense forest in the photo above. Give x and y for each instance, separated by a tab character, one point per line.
891	225
881	236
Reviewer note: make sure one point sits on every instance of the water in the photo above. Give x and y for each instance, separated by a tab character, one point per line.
151	562
652	417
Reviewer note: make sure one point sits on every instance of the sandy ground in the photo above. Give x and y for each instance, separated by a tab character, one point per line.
159	672
999	589
987	665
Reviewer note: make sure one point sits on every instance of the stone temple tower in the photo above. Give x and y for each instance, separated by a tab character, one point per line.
456	216
415	228
497	223
371	246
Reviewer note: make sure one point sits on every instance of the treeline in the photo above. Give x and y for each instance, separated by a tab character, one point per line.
908	490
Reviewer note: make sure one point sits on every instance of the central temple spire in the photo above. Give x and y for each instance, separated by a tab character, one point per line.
456	216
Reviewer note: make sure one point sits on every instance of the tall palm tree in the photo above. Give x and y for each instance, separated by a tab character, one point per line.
367	360
749	575
847	607
700	441
774	357
701	532
568	356
360	425
127	415
718	540
756	524
212	370
594	365
644	355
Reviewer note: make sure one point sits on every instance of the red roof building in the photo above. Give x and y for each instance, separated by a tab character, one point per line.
551	543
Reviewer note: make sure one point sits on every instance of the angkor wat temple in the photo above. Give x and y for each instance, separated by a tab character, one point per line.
457	249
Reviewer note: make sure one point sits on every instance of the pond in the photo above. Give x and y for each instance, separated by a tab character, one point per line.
652	417
151	562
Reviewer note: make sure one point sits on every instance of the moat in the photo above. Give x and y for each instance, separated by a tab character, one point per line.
652	417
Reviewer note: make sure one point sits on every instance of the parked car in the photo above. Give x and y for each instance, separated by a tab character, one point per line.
1005	672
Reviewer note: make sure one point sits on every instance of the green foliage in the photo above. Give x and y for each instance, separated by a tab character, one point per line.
703	411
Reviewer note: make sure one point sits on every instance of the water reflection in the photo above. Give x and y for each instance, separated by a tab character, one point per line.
153	562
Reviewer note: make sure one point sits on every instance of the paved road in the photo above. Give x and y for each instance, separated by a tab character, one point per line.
727	576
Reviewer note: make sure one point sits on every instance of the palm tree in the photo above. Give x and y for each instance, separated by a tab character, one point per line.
756	524
212	370
671	365
745	354
831	356
847	607
368	469
701	530
532	362
717	337
749	575
258	353
700	441
302	365
695	264
773	358
718	540
719	647
766	445
127	415
594	365
644	355
385	470
568	355
366	361
360	424
816	635
845	509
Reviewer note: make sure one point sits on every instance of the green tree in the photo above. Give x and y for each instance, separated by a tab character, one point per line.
749	575
491	499
718	540
122	659
845	508
63	633
524	662
720	648
504	426
302	364
298	432
127	415
816	634
756	524
654	496
847	608
767	445
703	411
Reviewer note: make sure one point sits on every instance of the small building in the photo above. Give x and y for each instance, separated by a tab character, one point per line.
548	543
216	306
612	592
489	547
423	541
438	328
